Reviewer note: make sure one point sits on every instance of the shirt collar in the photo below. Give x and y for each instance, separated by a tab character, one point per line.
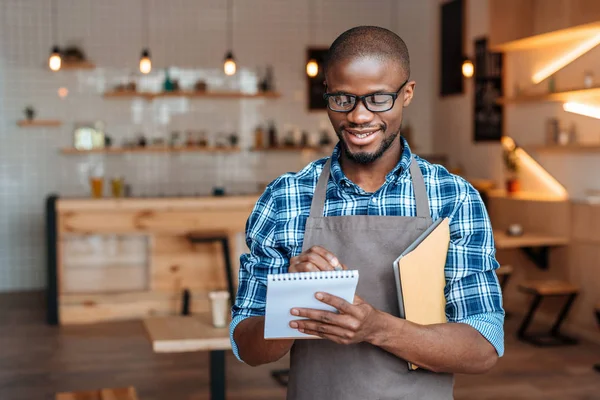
338	175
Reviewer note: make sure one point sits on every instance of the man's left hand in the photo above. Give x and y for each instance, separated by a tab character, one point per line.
355	323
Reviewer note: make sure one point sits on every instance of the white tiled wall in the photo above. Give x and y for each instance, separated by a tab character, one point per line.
188	35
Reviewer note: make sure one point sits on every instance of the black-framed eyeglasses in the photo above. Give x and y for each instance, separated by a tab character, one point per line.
374	102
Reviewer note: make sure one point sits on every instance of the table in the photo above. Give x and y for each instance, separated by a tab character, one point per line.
535	245
179	334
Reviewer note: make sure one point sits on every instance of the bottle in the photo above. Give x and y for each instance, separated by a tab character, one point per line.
168	84
259	138
272	135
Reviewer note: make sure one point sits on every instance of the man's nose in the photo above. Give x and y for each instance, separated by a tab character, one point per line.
360	115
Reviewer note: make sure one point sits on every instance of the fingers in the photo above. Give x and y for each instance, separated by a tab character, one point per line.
315	259
323	317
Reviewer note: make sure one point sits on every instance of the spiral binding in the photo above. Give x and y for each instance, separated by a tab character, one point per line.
303	276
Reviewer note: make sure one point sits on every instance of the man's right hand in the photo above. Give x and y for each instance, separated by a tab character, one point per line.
315	259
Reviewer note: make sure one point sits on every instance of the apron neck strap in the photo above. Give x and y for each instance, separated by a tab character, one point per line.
419	188
318	202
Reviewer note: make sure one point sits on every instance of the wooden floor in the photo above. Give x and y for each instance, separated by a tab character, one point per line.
38	360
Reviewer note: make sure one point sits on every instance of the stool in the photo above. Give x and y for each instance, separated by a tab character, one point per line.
211	237
541	289
504	273
127	393
597	312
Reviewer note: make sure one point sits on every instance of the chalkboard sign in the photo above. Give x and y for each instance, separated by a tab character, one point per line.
488	115
316	87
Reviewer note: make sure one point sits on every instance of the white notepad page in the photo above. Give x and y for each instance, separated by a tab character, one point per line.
297	290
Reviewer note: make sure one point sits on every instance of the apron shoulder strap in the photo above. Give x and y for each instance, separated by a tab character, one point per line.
420	190
318	202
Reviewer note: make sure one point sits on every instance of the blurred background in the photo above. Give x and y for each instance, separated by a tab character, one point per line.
136	137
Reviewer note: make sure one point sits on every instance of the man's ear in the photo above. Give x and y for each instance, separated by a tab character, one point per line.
409	91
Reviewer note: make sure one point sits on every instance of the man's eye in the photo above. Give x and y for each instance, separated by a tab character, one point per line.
343	100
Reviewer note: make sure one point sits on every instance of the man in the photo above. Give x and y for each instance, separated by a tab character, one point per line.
374	198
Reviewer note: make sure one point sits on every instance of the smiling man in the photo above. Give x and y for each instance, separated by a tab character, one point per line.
359	209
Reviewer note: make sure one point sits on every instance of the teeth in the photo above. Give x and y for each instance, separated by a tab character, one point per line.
363	135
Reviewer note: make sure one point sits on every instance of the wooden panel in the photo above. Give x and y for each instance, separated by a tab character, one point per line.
194	270
113	278
128	393
584	11
158	204
173	222
550	15
531	215
586	220
185	334
529	239
510	20
91	308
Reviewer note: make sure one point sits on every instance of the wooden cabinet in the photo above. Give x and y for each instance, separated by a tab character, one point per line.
520	24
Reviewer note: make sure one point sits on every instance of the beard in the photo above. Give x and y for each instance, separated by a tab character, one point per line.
364	157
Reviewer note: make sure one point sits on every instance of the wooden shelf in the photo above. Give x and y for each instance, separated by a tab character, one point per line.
192	94
569	148
579	32
39	123
566	95
67	66
151	149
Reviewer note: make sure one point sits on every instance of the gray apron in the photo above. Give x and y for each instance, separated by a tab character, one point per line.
323	370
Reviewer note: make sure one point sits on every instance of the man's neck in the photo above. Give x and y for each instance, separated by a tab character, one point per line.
371	177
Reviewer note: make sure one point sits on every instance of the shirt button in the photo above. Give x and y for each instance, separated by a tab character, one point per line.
374	200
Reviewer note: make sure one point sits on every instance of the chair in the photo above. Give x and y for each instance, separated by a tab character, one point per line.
211	237
504	273
127	393
540	290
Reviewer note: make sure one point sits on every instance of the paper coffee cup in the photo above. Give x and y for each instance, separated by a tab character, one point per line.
219	301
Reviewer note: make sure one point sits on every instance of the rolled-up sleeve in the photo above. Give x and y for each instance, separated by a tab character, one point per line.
263	258
473	294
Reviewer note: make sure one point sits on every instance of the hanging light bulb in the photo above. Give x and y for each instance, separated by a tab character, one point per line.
229	66
145	63
54	62
312	68
467	68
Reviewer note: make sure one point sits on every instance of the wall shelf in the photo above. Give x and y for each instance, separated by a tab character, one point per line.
152	149
549	39
570	148
562	96
39	123
192	94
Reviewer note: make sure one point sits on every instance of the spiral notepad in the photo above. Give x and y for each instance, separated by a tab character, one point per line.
297	290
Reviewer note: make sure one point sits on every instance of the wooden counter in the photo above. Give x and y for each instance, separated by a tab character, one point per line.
130	258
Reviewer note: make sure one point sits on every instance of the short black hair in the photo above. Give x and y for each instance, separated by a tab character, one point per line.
368	41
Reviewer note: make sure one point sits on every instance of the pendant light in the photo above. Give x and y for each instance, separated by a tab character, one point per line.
145	63
312	66
55	60
229	66
468	68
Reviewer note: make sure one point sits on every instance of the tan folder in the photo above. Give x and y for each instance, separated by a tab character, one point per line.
420	277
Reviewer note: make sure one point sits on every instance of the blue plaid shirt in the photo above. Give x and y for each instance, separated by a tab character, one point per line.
275	232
